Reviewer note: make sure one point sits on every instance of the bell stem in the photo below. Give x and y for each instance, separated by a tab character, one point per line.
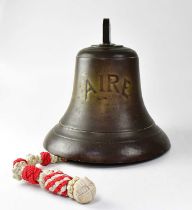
106	31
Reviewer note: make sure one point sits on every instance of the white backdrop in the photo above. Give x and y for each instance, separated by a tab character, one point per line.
39	40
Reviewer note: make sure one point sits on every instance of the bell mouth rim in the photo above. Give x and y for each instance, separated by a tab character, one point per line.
128	152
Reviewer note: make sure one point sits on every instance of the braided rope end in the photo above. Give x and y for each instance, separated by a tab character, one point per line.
57	182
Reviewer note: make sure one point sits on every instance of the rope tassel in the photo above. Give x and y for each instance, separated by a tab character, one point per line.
57	182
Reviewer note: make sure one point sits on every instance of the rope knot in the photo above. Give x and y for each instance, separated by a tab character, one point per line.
18	160
46	158
31	173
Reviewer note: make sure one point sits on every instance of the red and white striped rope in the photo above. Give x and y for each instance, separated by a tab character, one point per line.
57	182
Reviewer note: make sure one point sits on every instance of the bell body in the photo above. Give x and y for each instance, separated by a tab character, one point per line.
106	121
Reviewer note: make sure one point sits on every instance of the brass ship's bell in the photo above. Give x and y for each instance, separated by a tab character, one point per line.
106	121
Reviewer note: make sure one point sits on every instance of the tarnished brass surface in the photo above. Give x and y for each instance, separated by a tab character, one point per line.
106	121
